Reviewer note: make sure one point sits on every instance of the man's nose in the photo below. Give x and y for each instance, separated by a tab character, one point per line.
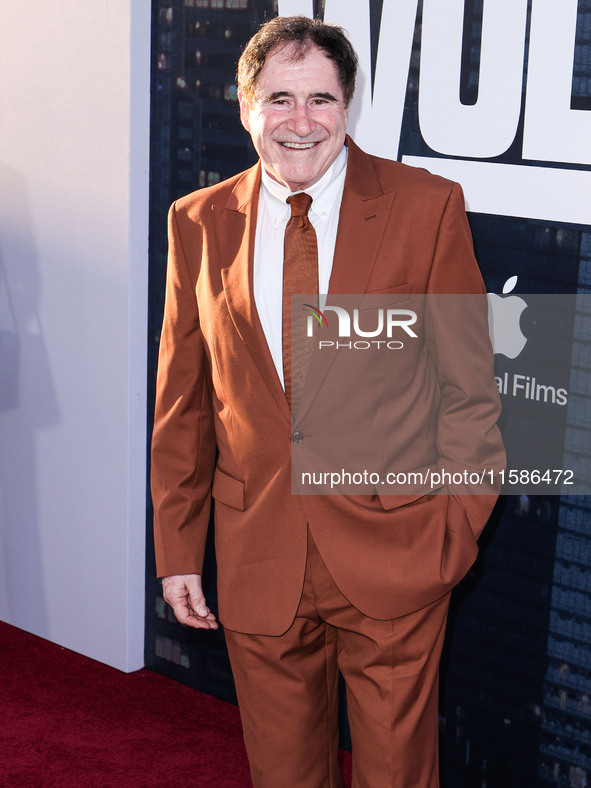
301	120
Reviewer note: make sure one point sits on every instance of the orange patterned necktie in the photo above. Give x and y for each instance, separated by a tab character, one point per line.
300	277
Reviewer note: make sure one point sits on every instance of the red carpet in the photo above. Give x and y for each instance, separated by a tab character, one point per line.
69	722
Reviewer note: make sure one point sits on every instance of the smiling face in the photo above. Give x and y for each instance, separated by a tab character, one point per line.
297	119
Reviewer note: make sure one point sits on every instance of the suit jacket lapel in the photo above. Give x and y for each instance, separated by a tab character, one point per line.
240	213
365	209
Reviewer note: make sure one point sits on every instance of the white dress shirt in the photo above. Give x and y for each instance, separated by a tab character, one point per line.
273	215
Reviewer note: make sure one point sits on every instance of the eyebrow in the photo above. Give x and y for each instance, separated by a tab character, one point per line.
286	94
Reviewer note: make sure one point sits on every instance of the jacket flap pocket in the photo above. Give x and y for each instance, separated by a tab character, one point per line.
387	296
413	493
228	490
390	502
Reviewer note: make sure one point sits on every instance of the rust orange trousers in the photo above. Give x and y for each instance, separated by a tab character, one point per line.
287	692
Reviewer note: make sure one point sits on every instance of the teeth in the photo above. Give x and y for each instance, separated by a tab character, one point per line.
298	145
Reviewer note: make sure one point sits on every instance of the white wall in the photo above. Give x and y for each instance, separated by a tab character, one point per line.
74	125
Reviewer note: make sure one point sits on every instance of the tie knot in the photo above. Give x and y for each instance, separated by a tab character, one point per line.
300	204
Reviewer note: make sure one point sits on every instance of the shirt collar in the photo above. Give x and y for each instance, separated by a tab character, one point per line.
323	192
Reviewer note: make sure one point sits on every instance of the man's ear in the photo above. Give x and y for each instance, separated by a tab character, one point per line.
244	119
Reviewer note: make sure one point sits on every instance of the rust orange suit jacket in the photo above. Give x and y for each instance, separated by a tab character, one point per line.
218	395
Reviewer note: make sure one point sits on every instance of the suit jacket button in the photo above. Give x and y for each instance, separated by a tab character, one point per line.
297	436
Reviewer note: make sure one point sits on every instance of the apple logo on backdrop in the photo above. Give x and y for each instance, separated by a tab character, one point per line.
503	321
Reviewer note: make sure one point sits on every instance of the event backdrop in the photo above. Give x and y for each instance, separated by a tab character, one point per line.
495	95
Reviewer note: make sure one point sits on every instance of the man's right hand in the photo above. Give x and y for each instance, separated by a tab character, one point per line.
185	595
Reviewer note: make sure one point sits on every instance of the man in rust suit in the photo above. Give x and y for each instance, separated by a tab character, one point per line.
312	584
